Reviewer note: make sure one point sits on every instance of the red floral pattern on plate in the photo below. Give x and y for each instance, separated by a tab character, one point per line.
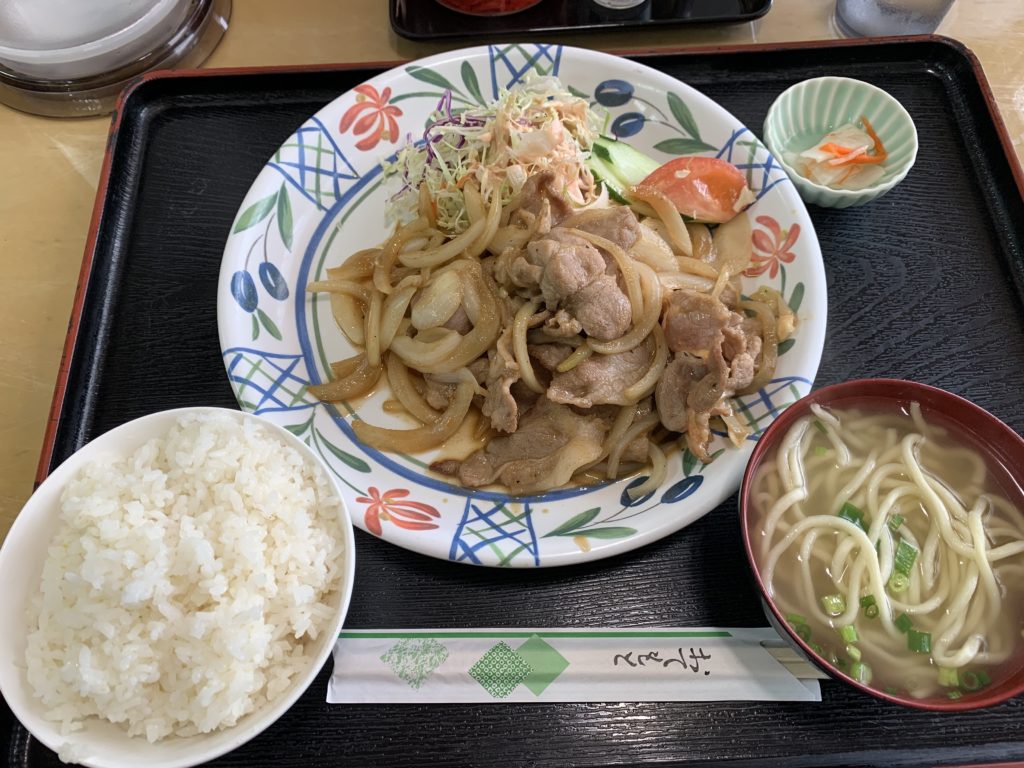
392	505
772	248
372	115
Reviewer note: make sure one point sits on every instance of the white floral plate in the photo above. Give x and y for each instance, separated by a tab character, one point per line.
320	198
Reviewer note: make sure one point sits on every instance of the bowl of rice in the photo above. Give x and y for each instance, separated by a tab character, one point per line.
172	589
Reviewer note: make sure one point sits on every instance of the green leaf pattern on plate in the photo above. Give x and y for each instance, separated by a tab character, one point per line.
431	77
348	459
267	323
471	83
570	527
682	146
255	213
284	217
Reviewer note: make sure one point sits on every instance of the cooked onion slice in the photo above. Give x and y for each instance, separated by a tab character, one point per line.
346	287
389	255
444	253
405	391
659	470
669	216
349	317
481	303
358	266
438	301
733	248
426	437
353	377
428	350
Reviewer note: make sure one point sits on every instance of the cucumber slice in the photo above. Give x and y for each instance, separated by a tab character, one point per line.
604	175
630	166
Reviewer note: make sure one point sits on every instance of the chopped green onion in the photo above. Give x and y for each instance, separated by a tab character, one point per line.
796	618
898	582
803	632
820	427
972	681
895	522
816	647
849	634
834	604
870	606
892	690
854	514
903	560
919	642
861	673
820	450
954	694
948	677
903	623
853	652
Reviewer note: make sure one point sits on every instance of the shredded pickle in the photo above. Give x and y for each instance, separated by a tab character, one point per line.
536	126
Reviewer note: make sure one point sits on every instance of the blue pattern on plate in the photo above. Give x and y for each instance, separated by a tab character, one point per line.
513	62
313	163
266	382
759	165
502	531
762	407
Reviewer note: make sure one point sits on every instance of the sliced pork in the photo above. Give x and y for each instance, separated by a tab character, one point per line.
673	389
549	356
552	442
617	224
567	266
500	406
602	309
562	324
602	379
694	322
539	187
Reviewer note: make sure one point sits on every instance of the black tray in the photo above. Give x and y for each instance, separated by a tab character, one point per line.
923	283
429	20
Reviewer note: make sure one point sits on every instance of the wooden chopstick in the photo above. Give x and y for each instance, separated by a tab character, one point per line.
794	663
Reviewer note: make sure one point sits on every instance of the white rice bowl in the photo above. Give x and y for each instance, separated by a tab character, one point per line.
172	589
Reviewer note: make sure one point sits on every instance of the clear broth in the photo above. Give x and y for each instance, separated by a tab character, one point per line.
894	667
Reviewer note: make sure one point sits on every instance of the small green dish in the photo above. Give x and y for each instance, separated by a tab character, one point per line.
804	113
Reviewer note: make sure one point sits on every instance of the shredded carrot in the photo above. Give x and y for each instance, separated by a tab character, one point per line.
859	156
835	149
851	157
880	155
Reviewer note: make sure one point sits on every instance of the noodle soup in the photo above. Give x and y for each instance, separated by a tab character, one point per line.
890	545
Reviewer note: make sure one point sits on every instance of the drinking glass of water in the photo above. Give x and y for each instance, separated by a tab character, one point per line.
856	18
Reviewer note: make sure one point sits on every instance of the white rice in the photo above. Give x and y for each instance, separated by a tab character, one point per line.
186	581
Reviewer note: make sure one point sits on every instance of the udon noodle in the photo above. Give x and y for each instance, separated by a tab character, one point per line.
892	550
401	303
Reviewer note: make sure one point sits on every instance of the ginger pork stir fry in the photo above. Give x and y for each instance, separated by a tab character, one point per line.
590	336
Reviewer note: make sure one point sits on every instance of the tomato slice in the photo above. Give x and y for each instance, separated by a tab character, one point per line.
703	188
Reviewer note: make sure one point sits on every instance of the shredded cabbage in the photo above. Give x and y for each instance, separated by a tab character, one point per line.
537	125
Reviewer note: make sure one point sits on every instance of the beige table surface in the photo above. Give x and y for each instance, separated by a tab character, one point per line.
51	166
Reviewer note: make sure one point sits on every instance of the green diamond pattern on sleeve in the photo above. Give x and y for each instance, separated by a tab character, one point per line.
545	662
414	660
500	670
